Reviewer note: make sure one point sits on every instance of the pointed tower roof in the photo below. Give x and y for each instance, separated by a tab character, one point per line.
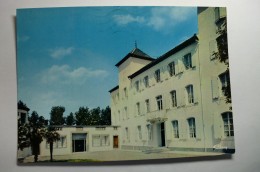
137	53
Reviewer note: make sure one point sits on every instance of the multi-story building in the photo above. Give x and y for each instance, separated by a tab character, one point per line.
176	100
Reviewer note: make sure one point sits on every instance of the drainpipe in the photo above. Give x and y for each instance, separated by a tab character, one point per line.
202	112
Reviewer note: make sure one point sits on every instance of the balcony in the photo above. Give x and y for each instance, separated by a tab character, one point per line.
156	116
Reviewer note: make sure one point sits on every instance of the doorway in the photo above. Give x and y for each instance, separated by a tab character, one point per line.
79	142
115	142
162	134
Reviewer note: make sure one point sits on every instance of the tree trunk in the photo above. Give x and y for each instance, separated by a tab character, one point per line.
35	151
51	150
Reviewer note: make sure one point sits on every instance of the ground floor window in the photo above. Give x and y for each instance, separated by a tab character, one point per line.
175	126
100	140
149	131
228	124
79	142
192	127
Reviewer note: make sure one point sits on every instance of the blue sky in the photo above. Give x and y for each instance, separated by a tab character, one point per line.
67	56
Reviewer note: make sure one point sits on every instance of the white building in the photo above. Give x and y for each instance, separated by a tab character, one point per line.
176	100
77	139
23	112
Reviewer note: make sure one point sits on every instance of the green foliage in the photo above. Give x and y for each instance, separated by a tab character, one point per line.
95	116
56	115
106	116
70	119
31	134
22	106
51	136
222	55
82	116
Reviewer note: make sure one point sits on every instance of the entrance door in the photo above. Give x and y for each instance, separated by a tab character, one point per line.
162	134
79	142
115	141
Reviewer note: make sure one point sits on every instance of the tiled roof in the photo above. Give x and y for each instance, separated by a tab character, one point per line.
137	53
113	89
176	49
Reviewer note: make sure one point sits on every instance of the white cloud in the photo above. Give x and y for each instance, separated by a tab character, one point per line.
66	75
60	52
168	16
126	19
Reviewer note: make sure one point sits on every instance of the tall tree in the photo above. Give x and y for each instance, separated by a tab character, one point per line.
31	134
51	136
106	116
56	115
82	116
95	116
222	55
70	120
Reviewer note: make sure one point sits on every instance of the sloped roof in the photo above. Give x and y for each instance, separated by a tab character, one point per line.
113	89
184	44
137	53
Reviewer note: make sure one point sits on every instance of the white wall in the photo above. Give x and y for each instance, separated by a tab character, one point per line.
243	34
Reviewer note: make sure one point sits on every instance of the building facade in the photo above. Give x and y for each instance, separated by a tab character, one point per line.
176	101
80	139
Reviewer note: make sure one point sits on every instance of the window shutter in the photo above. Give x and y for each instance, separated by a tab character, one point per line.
217	123
193	60
181	66
180	98
185	96
176	67
196	93
215	87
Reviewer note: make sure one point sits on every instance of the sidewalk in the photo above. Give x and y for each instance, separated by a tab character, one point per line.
121	155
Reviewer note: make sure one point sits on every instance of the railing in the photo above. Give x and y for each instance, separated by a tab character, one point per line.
156	116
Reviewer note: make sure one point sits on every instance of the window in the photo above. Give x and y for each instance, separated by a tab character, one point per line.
171	67
192	127
137	85
126	115
138	108
62	142
139	132
159	102
127	134
100	140
175	129
149	131
146	81
228	124
190	95
119	118
174	98
187	61
157	75
125	92
147	103
225	81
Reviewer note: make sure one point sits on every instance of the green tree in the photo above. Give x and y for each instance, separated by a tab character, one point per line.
70	120
56	115
51	136
82	116
31	134
106	116
222	55
95	116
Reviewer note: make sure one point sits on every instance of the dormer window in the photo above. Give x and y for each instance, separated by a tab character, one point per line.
137	85
157	75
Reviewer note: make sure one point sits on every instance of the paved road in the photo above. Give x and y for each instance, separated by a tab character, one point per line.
121	155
